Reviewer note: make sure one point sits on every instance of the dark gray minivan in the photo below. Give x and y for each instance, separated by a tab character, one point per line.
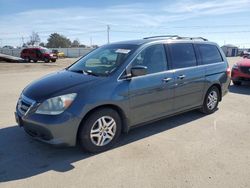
121	85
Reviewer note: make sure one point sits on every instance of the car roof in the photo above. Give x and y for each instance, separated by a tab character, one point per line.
32	48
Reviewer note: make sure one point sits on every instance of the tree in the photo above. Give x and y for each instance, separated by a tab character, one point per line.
75	43
42	44
56	40
82	46
34	39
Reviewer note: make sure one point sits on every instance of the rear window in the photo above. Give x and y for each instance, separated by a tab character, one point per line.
182	55
209	54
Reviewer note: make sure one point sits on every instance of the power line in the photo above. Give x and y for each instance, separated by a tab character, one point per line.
126	31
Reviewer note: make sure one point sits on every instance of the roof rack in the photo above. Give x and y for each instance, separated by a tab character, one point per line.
193	38
162	36
177	37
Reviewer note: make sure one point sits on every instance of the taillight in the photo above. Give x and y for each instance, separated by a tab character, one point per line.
228	72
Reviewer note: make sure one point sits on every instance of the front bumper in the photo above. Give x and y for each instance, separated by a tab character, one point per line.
237	75
56	130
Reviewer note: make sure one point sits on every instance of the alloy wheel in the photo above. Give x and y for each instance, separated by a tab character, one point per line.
212	100
103	131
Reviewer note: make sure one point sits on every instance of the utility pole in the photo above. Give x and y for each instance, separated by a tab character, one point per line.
22	41
108	29
90	41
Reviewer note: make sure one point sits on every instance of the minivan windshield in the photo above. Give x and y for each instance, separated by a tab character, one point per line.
104	60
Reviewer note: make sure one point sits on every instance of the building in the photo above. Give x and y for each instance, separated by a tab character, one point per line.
230	50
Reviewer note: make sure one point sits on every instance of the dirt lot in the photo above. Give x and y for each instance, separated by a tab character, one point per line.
189	150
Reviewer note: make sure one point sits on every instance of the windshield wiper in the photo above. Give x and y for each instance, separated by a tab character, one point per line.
77	71
89	72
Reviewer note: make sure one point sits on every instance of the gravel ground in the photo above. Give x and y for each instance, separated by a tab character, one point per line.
188	150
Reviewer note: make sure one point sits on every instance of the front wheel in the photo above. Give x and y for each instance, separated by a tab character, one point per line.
211	100
100	131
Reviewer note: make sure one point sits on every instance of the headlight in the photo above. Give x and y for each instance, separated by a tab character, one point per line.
56	105
236	66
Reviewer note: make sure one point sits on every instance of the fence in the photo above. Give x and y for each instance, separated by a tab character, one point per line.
68	52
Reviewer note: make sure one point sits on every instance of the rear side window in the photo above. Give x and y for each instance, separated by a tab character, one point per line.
182	55
25	51
209	53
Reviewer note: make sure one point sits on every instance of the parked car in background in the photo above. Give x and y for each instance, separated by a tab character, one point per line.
58	53
38	54
241	72
8	47
246	54
91	102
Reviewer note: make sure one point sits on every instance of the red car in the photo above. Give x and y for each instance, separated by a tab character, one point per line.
38	54
241	72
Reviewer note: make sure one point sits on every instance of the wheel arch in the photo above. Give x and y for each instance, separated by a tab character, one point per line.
218	87
121	113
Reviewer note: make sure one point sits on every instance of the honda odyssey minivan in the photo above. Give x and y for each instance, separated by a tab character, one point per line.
93	101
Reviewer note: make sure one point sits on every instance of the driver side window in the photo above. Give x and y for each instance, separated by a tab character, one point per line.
153	57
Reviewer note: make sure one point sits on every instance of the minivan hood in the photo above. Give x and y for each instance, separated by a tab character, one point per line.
51	84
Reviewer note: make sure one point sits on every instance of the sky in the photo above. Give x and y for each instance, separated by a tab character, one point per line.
221	21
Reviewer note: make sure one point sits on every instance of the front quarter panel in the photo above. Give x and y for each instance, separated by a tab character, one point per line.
108	92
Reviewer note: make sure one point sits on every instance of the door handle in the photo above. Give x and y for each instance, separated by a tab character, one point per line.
181	76
166	79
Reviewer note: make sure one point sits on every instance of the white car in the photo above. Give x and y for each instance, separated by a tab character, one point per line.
246	54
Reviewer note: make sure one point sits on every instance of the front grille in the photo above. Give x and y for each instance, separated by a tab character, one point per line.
24	104
245	70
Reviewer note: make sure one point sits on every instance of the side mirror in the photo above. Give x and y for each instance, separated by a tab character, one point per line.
139	70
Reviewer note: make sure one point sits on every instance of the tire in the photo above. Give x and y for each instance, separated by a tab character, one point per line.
46	60
237	83
53	60
211	101
35	61
101	126
104	60
27	59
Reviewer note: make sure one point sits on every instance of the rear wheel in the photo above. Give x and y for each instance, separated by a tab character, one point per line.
211	100
46	60
237	83
27	59
100	131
